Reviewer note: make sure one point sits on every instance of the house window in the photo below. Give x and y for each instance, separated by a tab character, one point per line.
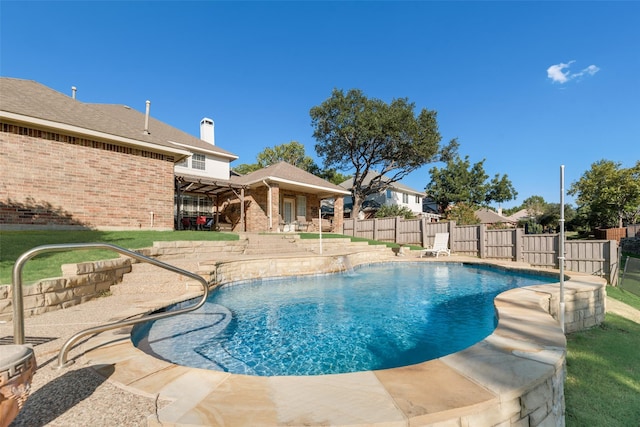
301	206
196	205
418	199
405	198
389	193
197	161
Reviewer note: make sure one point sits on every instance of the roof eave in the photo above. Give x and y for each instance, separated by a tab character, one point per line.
204	150
178	153
329	191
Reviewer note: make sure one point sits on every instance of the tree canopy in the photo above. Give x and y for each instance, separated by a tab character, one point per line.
293	153
607	194
360	134
461	182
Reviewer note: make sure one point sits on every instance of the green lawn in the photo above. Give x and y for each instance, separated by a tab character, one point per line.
15	243
603	371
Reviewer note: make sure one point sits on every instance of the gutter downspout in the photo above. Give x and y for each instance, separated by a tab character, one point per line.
270	205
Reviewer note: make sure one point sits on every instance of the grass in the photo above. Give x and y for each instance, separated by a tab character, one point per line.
15	243
603	371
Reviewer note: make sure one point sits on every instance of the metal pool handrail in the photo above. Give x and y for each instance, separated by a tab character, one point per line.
18	308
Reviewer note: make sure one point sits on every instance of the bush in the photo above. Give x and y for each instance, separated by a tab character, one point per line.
389	211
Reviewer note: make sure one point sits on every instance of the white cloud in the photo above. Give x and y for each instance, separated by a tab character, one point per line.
559	73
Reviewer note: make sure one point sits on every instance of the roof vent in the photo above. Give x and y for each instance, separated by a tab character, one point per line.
73	92
146	119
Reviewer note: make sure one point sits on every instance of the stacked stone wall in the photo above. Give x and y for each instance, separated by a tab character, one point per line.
585	304
79	283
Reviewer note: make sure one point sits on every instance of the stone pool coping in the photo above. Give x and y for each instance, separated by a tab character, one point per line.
515	376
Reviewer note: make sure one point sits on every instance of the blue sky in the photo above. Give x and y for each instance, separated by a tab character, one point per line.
528	86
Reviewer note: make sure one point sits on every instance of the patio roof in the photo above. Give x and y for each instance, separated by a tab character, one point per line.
208	186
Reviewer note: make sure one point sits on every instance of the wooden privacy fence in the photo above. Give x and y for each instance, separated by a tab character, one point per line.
597	257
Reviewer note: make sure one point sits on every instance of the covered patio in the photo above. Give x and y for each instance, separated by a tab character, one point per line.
219	192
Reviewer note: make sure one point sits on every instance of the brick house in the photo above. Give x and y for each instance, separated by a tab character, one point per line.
282	197
67	164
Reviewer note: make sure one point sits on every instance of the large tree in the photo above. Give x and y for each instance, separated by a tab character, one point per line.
608	194
534	205
290	152
461	182
367	135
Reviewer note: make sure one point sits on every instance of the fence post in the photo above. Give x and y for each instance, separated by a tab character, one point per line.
375	228
397	231
423	232
518	242
482	241
452	227
612	255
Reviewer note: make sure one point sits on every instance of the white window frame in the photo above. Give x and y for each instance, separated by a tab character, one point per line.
198	161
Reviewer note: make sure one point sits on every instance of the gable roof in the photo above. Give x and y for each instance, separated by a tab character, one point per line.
290	176
522	213
348	184
487	216
28	101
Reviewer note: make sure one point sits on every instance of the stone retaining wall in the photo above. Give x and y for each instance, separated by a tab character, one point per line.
223	272
78	284
195	249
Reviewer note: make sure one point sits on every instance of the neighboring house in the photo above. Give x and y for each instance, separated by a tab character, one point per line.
492	218
282	197
522	214
397	194
69	164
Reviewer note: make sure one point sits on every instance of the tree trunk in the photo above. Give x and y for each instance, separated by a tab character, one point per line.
357	202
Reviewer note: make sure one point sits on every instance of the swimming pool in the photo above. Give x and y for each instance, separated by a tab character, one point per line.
380	316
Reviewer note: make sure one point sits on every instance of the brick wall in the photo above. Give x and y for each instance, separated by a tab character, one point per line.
59	181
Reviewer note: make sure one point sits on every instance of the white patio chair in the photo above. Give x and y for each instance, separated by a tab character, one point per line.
440	245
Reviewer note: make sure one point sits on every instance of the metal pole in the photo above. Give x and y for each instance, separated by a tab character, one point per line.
561	248
320	225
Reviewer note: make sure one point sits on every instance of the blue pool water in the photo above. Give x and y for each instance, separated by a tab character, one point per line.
377	317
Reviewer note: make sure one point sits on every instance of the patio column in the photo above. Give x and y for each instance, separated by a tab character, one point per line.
338	214
275	206
242	221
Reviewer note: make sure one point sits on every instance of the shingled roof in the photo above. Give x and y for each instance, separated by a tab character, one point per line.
31	102
286	174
